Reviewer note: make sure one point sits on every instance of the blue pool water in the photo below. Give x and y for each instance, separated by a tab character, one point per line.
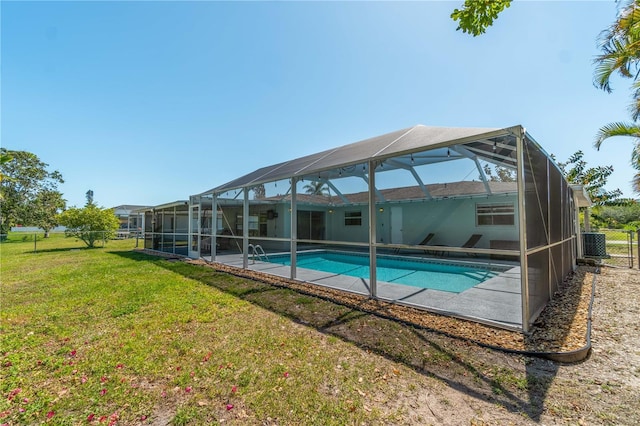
421	273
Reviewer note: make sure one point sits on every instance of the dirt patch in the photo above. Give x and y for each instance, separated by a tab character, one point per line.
602	390
605	389
479	386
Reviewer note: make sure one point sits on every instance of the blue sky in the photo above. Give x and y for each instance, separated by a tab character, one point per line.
150	102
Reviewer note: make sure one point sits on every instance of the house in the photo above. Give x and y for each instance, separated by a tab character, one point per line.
131	219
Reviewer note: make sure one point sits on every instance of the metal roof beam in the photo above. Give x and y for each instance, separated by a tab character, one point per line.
490	157
467	153
338	193
483	176
415	174
378	193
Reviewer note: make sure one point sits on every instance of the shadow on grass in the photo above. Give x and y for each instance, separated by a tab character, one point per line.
479	372
63	249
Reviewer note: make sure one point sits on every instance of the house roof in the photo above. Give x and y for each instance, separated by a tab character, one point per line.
436	191
163	206
129	207
581	195
492	144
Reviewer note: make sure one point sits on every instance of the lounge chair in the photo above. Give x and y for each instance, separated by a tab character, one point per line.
471	242
426	240
422	243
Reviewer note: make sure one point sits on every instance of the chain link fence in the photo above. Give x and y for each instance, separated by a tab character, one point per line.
614	247
100	238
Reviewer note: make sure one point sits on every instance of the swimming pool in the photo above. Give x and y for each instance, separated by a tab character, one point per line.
417	272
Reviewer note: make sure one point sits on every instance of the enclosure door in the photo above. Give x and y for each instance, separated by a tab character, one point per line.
396	225
194	248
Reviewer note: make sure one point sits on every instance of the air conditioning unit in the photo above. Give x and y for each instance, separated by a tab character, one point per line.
594	244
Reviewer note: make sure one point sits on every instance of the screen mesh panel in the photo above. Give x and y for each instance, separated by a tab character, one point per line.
536	193
538	270
556	220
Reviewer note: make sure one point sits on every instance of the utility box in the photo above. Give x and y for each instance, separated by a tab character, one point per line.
594	244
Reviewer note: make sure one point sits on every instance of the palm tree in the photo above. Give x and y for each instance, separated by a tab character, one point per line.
624	129
316	188
620	45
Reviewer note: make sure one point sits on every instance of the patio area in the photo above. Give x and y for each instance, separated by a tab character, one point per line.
495	301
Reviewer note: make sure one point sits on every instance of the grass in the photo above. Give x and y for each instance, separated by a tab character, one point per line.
617	246
108	333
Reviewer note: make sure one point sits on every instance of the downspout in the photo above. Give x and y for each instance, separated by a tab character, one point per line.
587	223
524	272
576	225
294	226
373	280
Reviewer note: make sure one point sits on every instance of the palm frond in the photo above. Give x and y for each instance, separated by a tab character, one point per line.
635	183
634	107
602	73
629	17
635	156
616	129
620	46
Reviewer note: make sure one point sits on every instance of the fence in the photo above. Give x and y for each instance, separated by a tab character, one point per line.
621	248
37	238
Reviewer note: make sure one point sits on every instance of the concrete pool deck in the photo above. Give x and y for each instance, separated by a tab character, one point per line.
496	301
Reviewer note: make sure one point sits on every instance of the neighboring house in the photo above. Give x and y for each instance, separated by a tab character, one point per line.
131	220
35	229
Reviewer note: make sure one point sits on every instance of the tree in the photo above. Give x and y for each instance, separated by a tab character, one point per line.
317	188
624	129
90	223
593	179
627	216
620	45
24	178
4	158
259	192
503	174
478	15
44	210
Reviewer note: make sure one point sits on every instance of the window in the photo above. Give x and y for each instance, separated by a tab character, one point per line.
495	214
353	218
253	222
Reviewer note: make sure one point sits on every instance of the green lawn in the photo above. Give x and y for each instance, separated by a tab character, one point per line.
617	242
111	334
